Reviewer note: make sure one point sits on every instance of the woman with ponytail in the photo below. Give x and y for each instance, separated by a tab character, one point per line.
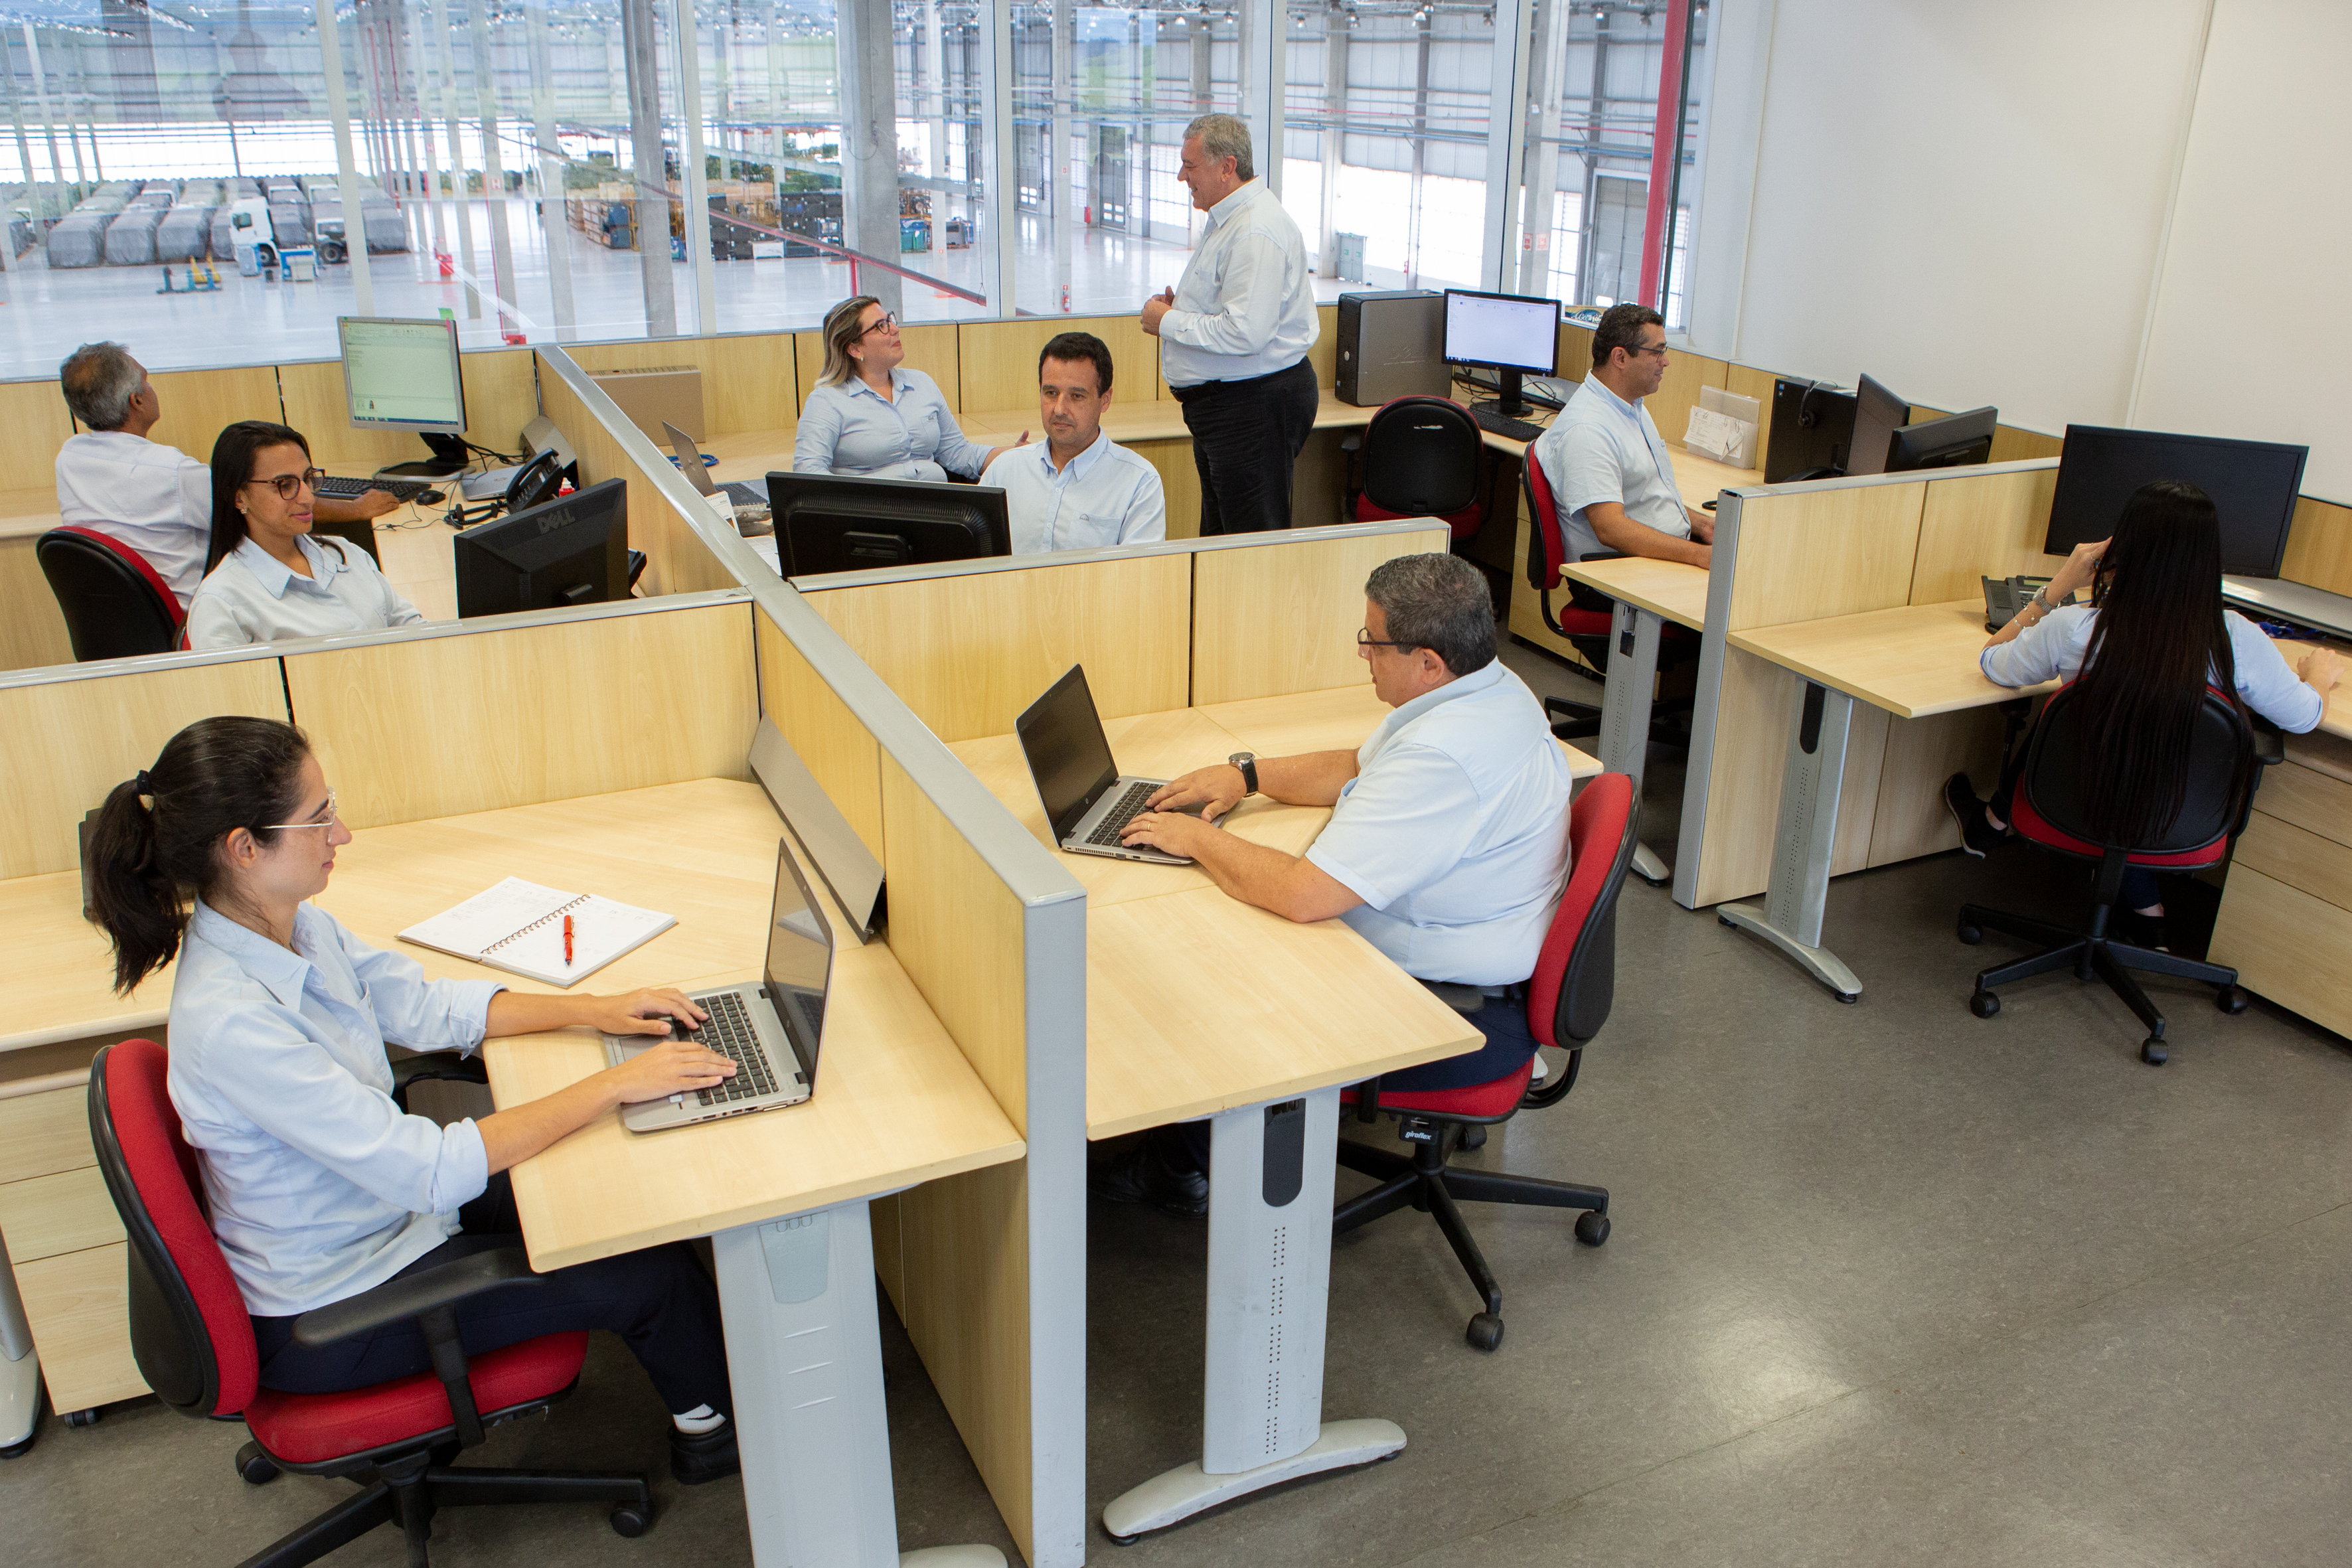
2141	655
319	1185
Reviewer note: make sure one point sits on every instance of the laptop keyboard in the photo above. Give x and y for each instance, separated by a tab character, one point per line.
1129	807
732	1033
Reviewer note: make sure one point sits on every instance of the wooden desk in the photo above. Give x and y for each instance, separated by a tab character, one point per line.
1671	589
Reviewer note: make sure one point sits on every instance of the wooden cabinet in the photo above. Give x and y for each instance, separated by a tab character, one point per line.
2286	920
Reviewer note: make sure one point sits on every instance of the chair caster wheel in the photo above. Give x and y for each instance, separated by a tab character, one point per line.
1984	1004
254	1467
1119	1540
2230	999
1970	935
629	1520
2153	1053
1592	1227
1473	1137
80	1417
1486	1331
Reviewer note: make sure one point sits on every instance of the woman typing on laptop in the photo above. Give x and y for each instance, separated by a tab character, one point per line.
319	1187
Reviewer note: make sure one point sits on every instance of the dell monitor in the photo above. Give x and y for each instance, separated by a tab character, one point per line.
574	549
404	375
1510	334
827	522
1877	414
2253	485
1813	431
1953	441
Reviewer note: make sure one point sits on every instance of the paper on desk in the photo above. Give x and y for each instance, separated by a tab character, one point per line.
518	926
1722	438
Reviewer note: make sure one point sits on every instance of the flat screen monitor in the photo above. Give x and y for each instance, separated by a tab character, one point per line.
574	549
1877	414
2253	485
1813	431
1953	441
826	522
403	375
1510	334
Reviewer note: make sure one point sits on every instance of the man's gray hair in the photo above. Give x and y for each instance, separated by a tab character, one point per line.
1223	136
1438	602
99	381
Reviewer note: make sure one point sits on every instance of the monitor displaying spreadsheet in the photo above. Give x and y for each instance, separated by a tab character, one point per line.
403	375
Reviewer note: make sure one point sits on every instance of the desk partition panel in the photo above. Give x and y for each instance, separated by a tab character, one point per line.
2319	546
678	558
1277	613
502	397
747	379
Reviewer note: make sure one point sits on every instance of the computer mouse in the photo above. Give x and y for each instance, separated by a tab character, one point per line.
431	498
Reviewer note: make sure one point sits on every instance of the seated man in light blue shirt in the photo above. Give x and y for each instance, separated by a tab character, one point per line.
1612	477
1447	846
1080	490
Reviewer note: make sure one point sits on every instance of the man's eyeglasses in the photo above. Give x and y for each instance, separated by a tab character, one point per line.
327	815
1658	349
888	323
1364	638
289	485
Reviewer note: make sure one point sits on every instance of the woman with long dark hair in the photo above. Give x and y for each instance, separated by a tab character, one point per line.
2140	655
266	576
319	1185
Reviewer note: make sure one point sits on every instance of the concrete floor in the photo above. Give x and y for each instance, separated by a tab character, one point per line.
1887	1285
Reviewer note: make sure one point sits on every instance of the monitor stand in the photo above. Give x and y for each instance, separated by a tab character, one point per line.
449	456
1509	401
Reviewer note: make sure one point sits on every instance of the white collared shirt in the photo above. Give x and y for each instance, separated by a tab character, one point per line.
319	1186
1106	495
153	498
1454	832
2053	648
1602	448
1245	305
251	597
851	430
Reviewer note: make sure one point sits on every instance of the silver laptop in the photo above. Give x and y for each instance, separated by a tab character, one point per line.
772	1029
1088	800
749	501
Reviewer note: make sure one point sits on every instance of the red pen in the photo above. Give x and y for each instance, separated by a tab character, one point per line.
567	940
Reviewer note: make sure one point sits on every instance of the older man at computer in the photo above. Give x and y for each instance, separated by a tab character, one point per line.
1447	846
1078	489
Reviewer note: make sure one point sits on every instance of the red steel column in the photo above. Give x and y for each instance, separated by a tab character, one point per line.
1666	141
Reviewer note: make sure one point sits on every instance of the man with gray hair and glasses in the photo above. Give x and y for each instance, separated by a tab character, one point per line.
1447	846
155	498
1234	334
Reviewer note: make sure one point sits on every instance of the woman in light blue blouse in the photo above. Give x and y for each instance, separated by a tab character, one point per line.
870	416
319	1185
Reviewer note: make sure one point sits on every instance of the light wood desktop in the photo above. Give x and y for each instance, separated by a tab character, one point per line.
1672	590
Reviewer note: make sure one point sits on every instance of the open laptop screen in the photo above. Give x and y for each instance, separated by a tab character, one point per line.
1068	756
800	961
689	460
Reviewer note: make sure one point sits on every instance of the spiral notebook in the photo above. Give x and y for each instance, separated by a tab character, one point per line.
518	926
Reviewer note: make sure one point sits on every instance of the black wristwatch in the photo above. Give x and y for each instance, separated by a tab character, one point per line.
1247	763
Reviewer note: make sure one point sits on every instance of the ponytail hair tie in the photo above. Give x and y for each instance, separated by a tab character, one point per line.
144	784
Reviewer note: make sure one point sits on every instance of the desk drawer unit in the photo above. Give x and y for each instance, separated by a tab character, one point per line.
65	1242
2286	920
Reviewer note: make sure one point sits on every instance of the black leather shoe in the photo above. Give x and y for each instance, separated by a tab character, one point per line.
1146	1174
694	1458
1978	837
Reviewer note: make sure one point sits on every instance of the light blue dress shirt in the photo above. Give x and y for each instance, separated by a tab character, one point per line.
252	597
1106	495
850	429
1245	305
2051	648
319	1186
1602	448
1454	832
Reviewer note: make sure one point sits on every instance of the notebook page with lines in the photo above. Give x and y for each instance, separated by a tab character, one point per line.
518	926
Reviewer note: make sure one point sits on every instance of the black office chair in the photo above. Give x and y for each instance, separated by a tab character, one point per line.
115	603
2047	809
1422	457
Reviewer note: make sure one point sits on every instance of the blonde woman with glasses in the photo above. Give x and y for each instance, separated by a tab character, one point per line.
872	417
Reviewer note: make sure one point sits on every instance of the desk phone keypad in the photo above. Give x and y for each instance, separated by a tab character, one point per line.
731	1034
1129	807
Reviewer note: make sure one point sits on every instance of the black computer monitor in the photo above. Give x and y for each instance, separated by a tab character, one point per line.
1813	431
574	549
826	522
1510	334
1954	441
1877	414
2253	485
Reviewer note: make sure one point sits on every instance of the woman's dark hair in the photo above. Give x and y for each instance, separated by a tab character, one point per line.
232	466
2159	640
147	855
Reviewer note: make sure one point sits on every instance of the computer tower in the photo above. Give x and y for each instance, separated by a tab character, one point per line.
1391	344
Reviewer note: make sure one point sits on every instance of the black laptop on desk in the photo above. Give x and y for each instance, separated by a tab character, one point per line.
1088	800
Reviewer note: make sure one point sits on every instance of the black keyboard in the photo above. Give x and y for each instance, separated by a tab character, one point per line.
1130	804
731	1034
1503	423
745	495
343	488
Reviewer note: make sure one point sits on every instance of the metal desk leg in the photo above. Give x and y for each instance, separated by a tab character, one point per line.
1269	1287
1791	919
804	1355
20	1367
1625	701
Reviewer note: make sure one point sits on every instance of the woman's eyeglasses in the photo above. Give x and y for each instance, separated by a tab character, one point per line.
327	815
289	485
888	323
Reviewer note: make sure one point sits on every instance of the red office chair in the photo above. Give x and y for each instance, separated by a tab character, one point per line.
2047	809
115	603
194	1344
1589	618
1422	457
1568	1001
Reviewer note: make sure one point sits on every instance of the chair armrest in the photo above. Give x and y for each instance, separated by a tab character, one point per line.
2269	741
445	1065
1603	556
411	1296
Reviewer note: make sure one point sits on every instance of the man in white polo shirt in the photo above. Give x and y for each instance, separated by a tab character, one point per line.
1611	475
1447	846
1078	489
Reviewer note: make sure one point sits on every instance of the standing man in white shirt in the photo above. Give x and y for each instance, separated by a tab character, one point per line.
155	498
1612	476
1078	489
1234	334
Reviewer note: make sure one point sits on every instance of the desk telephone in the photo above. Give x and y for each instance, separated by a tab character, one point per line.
2004	596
